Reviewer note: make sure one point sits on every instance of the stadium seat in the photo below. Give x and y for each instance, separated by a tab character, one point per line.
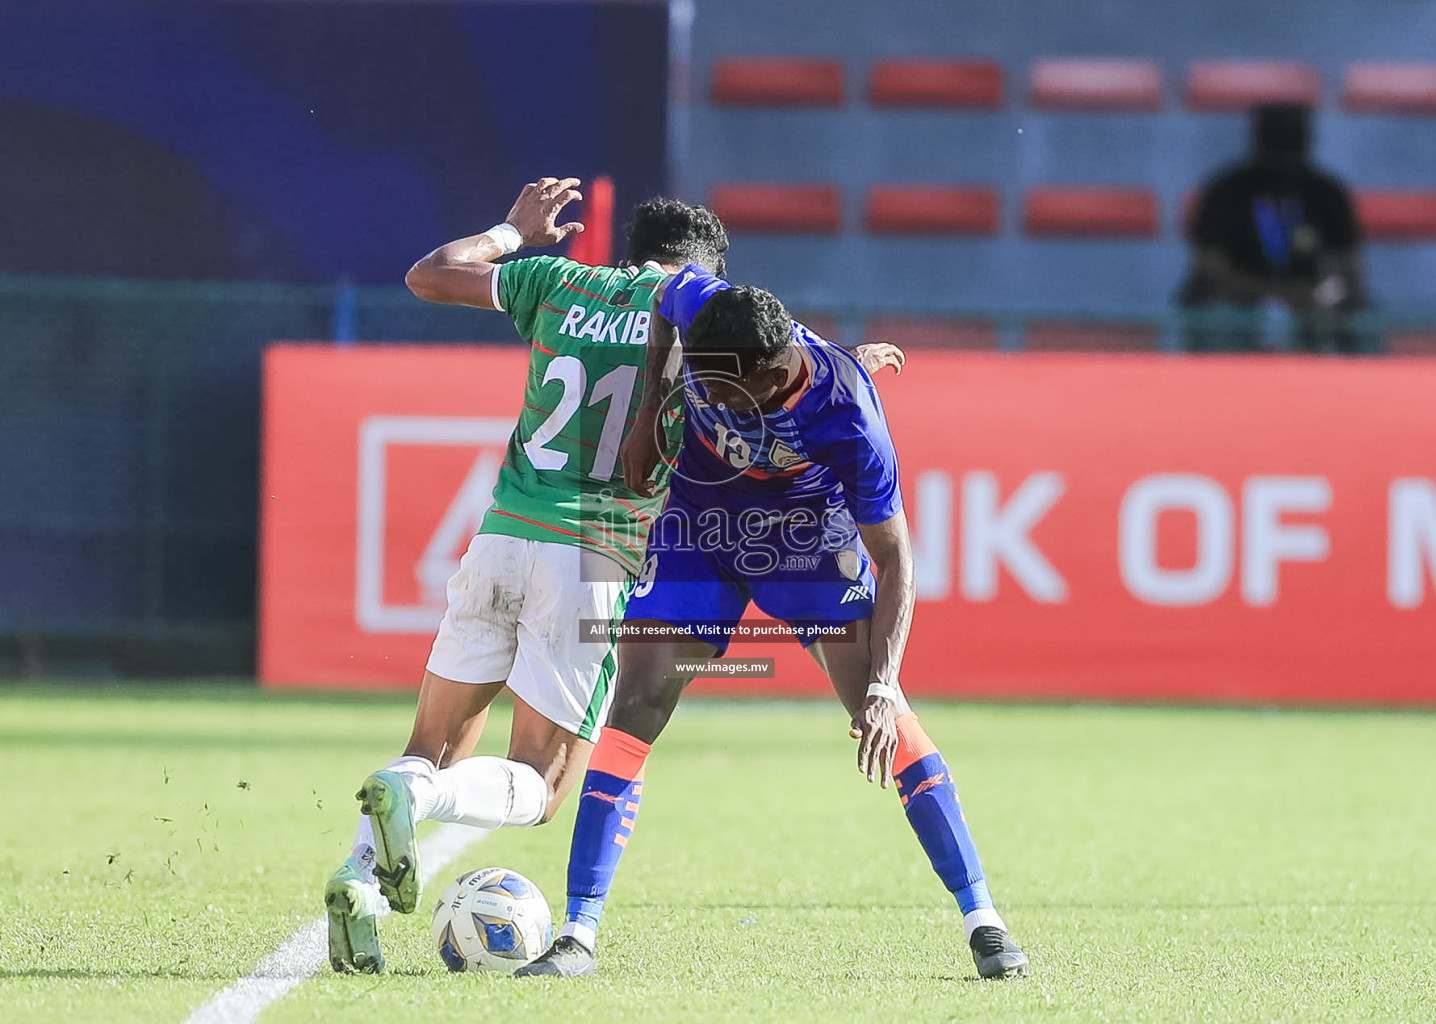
1090	212
1233	86
932	332
1397	216
779	209
1384	216
932	210
1095	85
1412	343
777	82
1389	89
1187	211
1087	336
973	84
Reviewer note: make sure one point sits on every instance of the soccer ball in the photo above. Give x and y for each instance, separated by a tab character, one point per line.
492	919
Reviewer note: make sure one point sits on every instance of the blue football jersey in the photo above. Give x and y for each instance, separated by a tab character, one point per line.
827	449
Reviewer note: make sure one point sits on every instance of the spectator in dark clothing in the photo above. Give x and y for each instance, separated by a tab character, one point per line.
1276	249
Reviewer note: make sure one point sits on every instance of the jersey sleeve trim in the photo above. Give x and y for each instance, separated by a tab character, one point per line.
690	288
494	287
807	382
873	515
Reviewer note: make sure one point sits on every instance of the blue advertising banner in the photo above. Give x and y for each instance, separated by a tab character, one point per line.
307	142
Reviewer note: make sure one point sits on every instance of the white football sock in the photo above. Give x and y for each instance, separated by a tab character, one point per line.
583	933
361	855
488	792
418	772
414	769
981	918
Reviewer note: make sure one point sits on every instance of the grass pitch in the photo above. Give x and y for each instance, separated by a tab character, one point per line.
1156	864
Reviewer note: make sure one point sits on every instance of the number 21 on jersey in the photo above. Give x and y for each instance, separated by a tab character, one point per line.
615	387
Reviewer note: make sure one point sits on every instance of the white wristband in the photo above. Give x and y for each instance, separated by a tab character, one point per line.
506	237
883	690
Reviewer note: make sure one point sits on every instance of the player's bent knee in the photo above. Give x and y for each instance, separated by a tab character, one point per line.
642	697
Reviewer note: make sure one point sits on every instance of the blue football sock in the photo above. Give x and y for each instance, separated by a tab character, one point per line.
607	809
930	799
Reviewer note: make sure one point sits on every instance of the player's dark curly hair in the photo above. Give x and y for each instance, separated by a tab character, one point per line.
672	232
743	326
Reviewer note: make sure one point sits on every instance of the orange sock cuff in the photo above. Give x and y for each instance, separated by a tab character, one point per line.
620	755
913	743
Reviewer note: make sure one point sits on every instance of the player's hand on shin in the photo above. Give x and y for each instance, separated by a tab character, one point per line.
537	208
878	354
875	729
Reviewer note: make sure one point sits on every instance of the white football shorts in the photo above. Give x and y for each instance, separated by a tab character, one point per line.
515	612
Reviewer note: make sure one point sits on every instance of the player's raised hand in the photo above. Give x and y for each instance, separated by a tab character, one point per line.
875	727
538	207
875	355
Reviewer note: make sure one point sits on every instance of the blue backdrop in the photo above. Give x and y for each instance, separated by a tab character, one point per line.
285	146
307	142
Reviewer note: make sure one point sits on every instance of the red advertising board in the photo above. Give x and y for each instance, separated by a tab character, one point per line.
1136	527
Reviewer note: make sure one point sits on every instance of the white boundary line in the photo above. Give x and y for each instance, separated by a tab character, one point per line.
307	950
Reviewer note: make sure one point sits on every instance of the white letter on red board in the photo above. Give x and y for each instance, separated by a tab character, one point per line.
993	533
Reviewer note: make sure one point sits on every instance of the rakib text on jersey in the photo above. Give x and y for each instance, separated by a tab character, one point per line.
629	327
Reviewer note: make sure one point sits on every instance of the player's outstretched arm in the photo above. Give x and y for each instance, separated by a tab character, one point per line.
461	273
643	446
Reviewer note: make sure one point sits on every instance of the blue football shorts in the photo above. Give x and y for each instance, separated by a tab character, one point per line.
701	581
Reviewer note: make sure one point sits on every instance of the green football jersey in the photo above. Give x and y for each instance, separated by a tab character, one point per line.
561	480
